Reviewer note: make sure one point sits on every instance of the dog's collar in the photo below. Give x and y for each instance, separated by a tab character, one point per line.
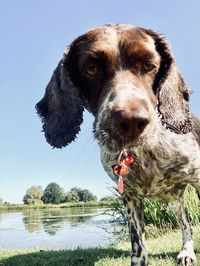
166	124
171	127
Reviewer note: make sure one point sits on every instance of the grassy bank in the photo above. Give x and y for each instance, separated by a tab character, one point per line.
162	252
54	206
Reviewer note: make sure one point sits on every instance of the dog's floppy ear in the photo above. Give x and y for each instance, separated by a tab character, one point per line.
61	108
170	89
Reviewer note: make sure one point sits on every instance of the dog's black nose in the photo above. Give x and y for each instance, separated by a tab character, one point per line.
130	122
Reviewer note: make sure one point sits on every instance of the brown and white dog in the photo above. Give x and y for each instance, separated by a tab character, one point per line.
128	79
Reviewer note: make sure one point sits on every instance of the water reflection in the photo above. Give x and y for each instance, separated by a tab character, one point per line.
63	228
32	221
52	220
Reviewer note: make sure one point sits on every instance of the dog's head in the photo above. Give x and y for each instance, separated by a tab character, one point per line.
124	76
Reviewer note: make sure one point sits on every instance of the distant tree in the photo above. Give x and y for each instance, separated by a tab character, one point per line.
53	193
71	197
33	202
107	198
1	201
85	195
76	190
33	195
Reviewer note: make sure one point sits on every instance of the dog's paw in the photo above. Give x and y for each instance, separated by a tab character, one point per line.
186	258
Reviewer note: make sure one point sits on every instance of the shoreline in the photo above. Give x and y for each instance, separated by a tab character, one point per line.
55	206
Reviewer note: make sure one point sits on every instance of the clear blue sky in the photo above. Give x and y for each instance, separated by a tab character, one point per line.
33	37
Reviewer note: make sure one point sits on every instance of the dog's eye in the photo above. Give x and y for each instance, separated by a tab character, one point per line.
148	67
92	70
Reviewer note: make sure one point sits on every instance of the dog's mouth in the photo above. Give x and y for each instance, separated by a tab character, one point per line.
113	143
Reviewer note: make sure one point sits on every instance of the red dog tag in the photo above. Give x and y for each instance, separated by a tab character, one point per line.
121	169
121	184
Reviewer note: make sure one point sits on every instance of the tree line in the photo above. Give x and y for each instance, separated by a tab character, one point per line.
54	194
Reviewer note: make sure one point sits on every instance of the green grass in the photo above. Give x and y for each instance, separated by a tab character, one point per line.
162	252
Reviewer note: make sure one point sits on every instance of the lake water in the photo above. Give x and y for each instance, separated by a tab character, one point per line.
56	229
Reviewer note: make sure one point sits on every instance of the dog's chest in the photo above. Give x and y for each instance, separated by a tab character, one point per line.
160	181
163	178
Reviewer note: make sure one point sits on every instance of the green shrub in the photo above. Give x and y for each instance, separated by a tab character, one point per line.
159	217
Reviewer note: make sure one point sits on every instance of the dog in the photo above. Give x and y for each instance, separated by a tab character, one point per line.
127	77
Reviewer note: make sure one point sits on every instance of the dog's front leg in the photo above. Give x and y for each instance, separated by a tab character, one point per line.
136	225
198	189
186	257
